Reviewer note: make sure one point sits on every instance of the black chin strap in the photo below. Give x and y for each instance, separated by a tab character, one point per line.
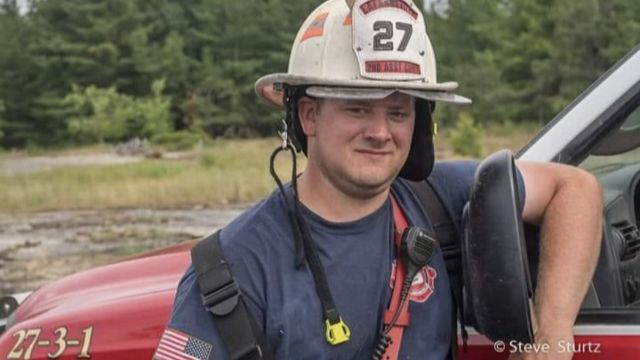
291	205
336	332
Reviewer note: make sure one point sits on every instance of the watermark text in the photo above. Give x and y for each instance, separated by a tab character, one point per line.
561	346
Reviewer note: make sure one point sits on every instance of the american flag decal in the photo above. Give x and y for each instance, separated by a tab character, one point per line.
175	345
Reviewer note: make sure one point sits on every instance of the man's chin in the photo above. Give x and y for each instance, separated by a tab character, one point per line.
372	185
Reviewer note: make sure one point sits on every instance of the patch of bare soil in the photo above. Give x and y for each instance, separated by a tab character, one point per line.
28	164
41	247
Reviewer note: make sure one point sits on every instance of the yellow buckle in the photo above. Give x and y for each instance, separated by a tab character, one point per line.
337	333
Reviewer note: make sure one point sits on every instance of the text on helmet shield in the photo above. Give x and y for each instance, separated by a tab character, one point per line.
392	67
390	40
372	5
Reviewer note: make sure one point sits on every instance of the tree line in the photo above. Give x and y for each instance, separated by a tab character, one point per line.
82	71
524	60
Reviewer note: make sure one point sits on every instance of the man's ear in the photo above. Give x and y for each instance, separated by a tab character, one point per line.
308	114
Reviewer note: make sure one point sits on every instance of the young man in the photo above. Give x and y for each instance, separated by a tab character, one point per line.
359	95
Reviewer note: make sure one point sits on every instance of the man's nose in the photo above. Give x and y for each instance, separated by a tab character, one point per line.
378	127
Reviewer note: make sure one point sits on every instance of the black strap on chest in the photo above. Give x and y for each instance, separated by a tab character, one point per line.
449	241
221	297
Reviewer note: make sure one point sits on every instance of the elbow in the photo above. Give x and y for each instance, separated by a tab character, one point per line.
588	187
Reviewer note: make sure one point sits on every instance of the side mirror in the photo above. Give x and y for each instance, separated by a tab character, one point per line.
495	267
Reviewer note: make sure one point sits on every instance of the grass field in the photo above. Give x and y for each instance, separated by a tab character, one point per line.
228	171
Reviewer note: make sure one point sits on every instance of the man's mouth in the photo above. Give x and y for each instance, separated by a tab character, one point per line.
373	152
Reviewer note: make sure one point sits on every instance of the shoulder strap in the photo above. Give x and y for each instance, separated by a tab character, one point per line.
221	296
443	226
451	247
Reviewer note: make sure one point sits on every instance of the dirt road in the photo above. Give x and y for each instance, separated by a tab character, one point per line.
26	164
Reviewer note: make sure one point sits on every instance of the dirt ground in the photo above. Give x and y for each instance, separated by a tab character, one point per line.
22	164
41	247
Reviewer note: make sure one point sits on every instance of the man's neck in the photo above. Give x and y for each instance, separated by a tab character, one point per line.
332	204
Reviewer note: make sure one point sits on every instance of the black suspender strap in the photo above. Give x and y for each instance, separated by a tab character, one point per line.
441	222
450	244
221	296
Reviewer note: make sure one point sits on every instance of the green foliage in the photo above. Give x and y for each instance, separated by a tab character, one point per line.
210	52
17	87
524	60
106	115
519	60
2	109
466	137
155	111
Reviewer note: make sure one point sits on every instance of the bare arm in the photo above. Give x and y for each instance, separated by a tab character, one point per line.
567	203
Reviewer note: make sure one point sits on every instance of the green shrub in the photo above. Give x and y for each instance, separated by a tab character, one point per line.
105	115
466	137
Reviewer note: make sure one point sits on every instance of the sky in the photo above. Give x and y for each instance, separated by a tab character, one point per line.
440	6
23	5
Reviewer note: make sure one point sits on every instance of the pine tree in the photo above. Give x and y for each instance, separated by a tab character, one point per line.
589	37
77	43
16	78
237	42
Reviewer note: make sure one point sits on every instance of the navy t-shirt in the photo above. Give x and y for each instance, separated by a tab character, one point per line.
357	257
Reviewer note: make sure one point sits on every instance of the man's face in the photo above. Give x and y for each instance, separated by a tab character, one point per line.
359	146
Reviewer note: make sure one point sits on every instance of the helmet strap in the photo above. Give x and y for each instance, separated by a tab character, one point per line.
292	124
337	331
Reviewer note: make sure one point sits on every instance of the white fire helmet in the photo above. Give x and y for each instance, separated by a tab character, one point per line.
362	49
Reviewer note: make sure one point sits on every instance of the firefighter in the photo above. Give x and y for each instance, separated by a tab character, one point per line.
316	262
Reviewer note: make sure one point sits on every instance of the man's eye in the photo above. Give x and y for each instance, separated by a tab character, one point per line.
399	115
357	110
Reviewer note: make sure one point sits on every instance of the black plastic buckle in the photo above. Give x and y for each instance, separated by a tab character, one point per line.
253	352
223	300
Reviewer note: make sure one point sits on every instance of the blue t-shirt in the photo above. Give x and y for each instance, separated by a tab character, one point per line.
357	258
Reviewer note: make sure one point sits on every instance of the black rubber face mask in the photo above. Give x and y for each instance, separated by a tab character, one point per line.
421	155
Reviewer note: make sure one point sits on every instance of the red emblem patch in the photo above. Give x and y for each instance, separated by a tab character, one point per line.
424	283
389	66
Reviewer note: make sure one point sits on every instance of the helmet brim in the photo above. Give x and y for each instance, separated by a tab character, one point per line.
356	89
345	93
